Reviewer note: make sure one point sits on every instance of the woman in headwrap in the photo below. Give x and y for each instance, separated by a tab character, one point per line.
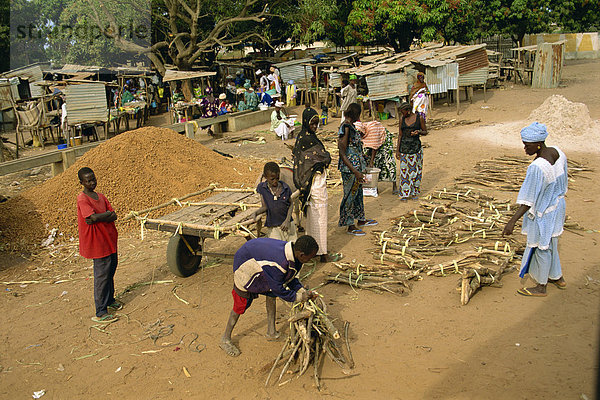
542	200
378	143
250	101
311	161
419	95
410	152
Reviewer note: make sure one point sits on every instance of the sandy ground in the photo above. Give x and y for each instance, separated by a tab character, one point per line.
420	346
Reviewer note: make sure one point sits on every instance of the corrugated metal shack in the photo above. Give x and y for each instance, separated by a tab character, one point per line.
86	103
446	68
298	70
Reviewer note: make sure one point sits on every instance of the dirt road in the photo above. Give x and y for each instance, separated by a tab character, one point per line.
424	345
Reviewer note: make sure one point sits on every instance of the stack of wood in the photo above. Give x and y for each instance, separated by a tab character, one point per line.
312	336
378	278
438	239
507	173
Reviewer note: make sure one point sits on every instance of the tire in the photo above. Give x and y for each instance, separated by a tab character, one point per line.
181	262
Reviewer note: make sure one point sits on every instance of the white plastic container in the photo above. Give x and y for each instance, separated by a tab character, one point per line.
371	177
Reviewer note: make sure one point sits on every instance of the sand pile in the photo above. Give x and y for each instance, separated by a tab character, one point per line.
563	117
135	170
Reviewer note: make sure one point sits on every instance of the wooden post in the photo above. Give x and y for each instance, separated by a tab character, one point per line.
470	93
317	84
484	91
457	100
189	130
307	83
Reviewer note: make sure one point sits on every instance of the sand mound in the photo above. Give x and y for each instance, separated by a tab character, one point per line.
135	170
563	117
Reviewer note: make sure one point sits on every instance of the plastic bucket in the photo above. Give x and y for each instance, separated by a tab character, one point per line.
371	177
76	141
61	146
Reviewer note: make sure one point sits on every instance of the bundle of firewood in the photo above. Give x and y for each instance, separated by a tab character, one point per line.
312	335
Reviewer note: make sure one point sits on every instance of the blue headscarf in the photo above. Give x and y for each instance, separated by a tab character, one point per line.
535	132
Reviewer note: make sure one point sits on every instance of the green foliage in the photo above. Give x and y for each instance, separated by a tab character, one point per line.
577	15
4	35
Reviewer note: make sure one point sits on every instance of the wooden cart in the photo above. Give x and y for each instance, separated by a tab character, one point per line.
224	213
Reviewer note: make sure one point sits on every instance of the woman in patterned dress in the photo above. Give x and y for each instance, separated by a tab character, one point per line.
352	165
410	152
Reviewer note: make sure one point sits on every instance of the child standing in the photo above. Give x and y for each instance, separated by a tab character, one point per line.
277	200
352	165
98	241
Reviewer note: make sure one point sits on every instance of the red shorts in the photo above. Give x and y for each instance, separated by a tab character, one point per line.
240	304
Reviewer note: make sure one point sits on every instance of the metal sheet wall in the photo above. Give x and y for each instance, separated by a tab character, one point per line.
387	86
473	60
441	79
86	103
296	72
477	77
335	79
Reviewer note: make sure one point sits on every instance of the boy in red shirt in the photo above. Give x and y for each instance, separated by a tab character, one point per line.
98	241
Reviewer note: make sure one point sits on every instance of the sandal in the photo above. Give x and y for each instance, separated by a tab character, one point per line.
369	222
356	232
105	319
116	306
526	292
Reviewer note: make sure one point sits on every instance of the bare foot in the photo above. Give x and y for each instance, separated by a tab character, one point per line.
229	348
272	337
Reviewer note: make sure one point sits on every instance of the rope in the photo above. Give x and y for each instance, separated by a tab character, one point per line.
477	275
384	246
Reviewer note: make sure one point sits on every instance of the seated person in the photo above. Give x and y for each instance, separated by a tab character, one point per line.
250	101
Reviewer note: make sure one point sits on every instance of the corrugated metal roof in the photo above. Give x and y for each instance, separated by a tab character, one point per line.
173	75
294	62
86	103
33	74
387	86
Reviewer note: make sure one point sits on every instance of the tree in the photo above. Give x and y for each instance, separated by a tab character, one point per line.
5	35
385	22
516	17
577	15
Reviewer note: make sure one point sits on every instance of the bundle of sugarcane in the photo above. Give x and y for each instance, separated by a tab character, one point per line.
312	334
372	278
474	278
472	260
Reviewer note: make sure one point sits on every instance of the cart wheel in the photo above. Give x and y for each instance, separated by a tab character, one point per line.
181	261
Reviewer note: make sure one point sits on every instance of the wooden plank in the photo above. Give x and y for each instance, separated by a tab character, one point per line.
244	215
184	213
220	211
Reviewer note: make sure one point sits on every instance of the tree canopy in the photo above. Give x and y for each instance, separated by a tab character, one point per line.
185	33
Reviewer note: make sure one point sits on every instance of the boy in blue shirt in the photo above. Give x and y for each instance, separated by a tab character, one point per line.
277	201
268	267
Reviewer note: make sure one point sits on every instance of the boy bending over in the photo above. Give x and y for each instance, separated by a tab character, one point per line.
268	267
98	240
